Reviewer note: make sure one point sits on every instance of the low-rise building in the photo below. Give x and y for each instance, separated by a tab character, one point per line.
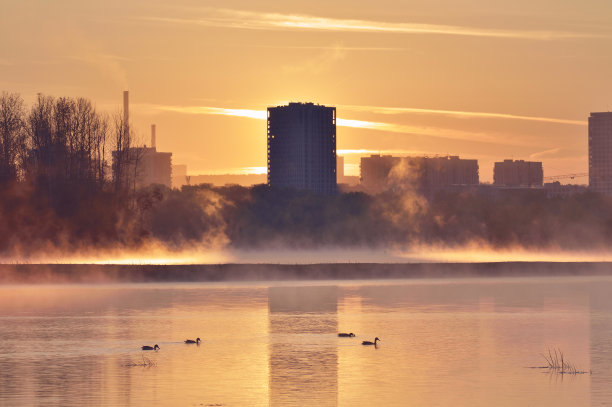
556	189
518	173
379	173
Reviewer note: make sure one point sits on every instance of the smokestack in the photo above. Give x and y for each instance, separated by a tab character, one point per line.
153	135
126	110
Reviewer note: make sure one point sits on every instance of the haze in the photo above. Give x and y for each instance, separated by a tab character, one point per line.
479	79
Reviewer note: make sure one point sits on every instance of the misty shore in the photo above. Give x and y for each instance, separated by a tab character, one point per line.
95	273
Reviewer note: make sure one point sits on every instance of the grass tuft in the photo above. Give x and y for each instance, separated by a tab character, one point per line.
558	363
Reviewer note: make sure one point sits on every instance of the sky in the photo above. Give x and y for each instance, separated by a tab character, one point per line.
481	79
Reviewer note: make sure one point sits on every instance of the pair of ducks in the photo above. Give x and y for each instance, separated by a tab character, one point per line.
352	335
156	347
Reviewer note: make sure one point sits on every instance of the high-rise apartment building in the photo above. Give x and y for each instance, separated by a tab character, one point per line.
600	152
518	173
302	147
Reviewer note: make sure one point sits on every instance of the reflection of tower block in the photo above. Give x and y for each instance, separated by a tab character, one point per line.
303	299
298	303
303	366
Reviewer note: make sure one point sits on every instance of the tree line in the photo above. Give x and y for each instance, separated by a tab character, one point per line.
65	168
64	143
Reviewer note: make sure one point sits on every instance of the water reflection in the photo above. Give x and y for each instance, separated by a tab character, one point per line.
444	343
303	346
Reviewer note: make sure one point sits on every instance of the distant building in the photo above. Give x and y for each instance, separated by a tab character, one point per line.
179	175
518	173
228	179
342	178
302	147
379	173
375	170
147	166
448	171
600	152
339	168
142	165
556	189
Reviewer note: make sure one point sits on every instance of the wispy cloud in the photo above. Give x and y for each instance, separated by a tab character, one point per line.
253	114
275	21
452	134
333	47
109	65
545	153
366	151
461	114
318	64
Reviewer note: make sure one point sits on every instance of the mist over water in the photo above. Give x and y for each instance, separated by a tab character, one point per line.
208	224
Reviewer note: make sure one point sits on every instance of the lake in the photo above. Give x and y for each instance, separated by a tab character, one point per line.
444	342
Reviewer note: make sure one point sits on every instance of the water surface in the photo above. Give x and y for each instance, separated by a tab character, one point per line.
444	343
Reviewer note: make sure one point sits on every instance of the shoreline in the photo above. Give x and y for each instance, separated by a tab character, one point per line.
105	273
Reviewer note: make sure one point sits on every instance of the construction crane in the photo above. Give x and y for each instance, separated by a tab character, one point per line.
566	176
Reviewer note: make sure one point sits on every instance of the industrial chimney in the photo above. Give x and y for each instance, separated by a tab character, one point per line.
153	135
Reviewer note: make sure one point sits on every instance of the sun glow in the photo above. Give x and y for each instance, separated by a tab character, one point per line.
420	254
494	255
233	171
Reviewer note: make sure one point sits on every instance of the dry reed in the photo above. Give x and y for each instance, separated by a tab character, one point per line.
557	363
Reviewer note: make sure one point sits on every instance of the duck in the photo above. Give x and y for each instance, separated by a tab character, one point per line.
197	341
345	335
371	343
147	347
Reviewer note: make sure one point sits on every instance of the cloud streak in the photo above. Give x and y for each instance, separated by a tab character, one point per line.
320	63
241	19
546	153
365	151
461	114
207	110
453	134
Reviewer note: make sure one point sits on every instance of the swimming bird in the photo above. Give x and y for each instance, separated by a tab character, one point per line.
197	341
370	343
146	347
344	335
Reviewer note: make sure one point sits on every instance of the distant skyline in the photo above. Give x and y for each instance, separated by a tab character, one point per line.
479	79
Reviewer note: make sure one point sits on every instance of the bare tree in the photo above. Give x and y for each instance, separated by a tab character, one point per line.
66	140
12	136
125	156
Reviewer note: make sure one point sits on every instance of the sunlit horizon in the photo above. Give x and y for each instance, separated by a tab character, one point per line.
515	81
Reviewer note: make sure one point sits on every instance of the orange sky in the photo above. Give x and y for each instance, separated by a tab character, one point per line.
476	78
